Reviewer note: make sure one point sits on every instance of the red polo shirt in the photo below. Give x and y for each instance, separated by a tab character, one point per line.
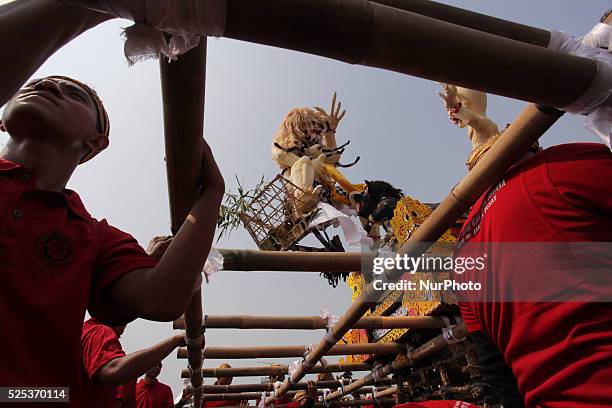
55	262
127	394
560	353
99	346
154	395
217	404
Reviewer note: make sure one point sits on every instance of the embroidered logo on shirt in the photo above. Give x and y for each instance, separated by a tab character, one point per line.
472	228
54	249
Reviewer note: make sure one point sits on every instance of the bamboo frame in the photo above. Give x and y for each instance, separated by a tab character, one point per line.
386	37
313	322
269	387
275	370
348	403
294	351
254	260
531	123
470	19
183	84
425	350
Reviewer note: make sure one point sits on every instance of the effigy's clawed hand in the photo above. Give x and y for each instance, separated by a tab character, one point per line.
334	116
450	96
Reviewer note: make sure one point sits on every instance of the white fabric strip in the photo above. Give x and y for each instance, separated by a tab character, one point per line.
184	20
596	101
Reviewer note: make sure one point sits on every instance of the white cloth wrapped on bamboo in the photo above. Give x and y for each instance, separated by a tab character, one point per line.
185	21
596	101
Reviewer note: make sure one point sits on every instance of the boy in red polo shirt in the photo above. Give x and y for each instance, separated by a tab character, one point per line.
56	260
150	393
106	367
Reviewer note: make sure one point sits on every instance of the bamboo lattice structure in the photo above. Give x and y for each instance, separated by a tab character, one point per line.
387	37
246	322
427	349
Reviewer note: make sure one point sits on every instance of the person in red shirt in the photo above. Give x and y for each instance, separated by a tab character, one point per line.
223	381
304	399
56	260
559	350
126	395
150	393
106	366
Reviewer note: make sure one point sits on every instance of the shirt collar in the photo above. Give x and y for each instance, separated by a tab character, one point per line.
73	201
6	165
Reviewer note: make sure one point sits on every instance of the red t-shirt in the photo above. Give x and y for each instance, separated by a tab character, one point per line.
99	346
55	261
560	353
154	395
216	404
127	394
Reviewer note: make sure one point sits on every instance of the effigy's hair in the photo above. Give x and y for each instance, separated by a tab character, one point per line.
292	130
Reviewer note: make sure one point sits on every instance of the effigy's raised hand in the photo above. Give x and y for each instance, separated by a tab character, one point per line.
333	118
450	96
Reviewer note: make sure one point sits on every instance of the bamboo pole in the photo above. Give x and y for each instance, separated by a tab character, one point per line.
246	260
427	349
254	260
313	322
294	351
387	392
347	403
269	387
183	82
247	396
477	21
531	123
385	37
276	370
243	396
